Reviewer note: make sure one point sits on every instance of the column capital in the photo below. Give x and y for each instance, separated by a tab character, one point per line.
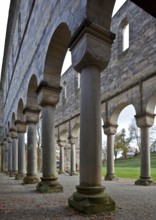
48	94
21	126
31	114
110	129
88	37
13	133
72	140
61	143
145	120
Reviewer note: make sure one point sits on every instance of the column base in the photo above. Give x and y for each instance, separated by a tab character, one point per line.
61	172
19	176
91	200
13	173
30	180
145	181
49	185
73	173
111	177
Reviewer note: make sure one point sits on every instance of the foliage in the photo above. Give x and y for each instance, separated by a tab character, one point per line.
121	142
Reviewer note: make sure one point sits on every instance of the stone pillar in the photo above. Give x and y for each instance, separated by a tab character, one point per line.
21	129
14	136
72	142
2	157
145	121
110	130
31	115
61	144
91	49
48	97
9	156
5	156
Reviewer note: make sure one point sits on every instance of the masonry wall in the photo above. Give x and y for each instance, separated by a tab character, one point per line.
126	69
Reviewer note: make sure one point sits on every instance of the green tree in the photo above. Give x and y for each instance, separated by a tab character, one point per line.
121	142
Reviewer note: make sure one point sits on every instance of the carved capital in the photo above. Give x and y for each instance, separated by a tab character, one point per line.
72	140
31	114
48	95
61	143
145	120
14	133
110	129
21	126
91	45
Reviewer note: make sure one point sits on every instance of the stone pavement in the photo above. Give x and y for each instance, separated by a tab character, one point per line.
19	201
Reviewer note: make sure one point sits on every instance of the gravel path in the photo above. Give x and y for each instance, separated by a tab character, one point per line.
22	202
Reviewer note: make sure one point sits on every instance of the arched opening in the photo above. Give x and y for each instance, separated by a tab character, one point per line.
31	93
13	122
55	55
20	108
125	37
67	62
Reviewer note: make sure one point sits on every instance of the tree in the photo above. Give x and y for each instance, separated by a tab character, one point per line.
121	142
134	133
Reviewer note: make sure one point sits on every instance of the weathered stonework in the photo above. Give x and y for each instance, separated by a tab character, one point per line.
35	49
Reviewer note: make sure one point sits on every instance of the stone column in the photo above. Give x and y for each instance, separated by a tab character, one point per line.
61	144
91	49
5	156
145	121
31	115
9	156
21	129
110	130
48	97
72	142
1	160
0	157
14	136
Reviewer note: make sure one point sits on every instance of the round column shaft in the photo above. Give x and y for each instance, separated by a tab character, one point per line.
49	181
61	166
21	156
110	158
14	157
90	128
31	176
73	157
10	157
145	170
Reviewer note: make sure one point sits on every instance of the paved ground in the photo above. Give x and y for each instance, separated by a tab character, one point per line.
22	202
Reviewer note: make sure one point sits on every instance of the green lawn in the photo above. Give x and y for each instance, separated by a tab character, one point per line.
130	168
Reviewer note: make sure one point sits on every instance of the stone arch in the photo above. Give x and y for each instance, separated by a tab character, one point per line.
31	93
116	112
56	53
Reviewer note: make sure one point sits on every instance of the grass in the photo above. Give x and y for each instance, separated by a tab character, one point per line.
130	168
